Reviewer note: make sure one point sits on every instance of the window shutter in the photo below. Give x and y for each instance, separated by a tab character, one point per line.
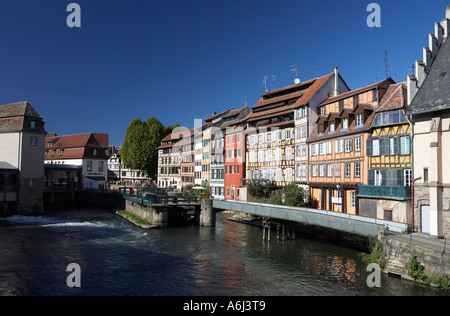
383	177
396	146
381	146
371	178
400	173
369	148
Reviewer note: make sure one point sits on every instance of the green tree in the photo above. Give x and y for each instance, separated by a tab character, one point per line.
259	189
141	142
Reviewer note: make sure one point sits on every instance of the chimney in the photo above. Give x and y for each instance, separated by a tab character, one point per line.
446	23
336	82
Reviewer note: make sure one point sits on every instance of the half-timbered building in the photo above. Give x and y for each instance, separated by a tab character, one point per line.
387	194
337	156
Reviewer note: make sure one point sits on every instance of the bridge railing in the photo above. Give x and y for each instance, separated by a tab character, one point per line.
341	221
150	200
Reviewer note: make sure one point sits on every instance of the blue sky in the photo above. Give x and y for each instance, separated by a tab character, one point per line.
179	60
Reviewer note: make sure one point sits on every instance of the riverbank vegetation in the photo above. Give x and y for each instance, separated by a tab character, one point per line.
417	271
134	218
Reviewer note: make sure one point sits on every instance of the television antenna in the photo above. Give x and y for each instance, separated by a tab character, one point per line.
313	64
265	84
295	68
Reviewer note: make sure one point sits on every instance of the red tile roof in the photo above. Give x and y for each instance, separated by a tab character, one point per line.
78	146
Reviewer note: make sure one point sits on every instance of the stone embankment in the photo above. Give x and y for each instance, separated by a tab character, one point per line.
430	252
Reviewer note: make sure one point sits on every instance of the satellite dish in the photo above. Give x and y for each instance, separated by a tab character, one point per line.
296	80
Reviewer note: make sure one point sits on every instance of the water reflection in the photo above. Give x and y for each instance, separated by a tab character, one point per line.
230	259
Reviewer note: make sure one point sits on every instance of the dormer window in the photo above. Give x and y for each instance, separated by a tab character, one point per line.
32	124
332	127
322	110
95	152
345	123
359	120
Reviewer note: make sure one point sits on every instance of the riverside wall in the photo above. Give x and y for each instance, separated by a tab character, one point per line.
430	252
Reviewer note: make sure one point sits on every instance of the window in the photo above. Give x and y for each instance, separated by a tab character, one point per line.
287	134
387	215
332	127
89	165
322	149
407	177
358	144
322	110
260	156
278	154
95	152
329	170
314	149
33	141
32	124
352	199
338	146
337	170
347	170
404	146
289	174
359	120
348	145
288	153
425	175
269	137
375	147
357	169
345	123
100	166
321	170
269	155
279	175
378	177
328	148
261	138
314	171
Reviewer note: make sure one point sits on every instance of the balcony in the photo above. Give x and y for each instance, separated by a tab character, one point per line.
385	191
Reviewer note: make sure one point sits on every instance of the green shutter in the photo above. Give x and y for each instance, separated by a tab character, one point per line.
369	149
371	177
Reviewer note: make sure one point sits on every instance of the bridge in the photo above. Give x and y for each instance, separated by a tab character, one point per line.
353	224
206	209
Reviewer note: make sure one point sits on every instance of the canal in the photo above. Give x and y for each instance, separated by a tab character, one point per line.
117	258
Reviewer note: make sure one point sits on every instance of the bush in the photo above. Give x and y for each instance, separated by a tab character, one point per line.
259	189
291	195
415	269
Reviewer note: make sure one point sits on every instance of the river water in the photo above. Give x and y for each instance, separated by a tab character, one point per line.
230	259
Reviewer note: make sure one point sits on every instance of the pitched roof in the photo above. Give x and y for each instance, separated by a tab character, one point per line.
18	109
434	93
394	98
275	103
356	91
78	145
16	117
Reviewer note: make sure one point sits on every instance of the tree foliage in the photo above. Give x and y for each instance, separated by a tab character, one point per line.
259	189
141	142
291	195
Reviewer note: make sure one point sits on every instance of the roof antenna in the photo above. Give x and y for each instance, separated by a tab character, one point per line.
295	68
265	84
313	64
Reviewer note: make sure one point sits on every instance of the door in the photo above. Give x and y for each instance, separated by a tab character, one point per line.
425	218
